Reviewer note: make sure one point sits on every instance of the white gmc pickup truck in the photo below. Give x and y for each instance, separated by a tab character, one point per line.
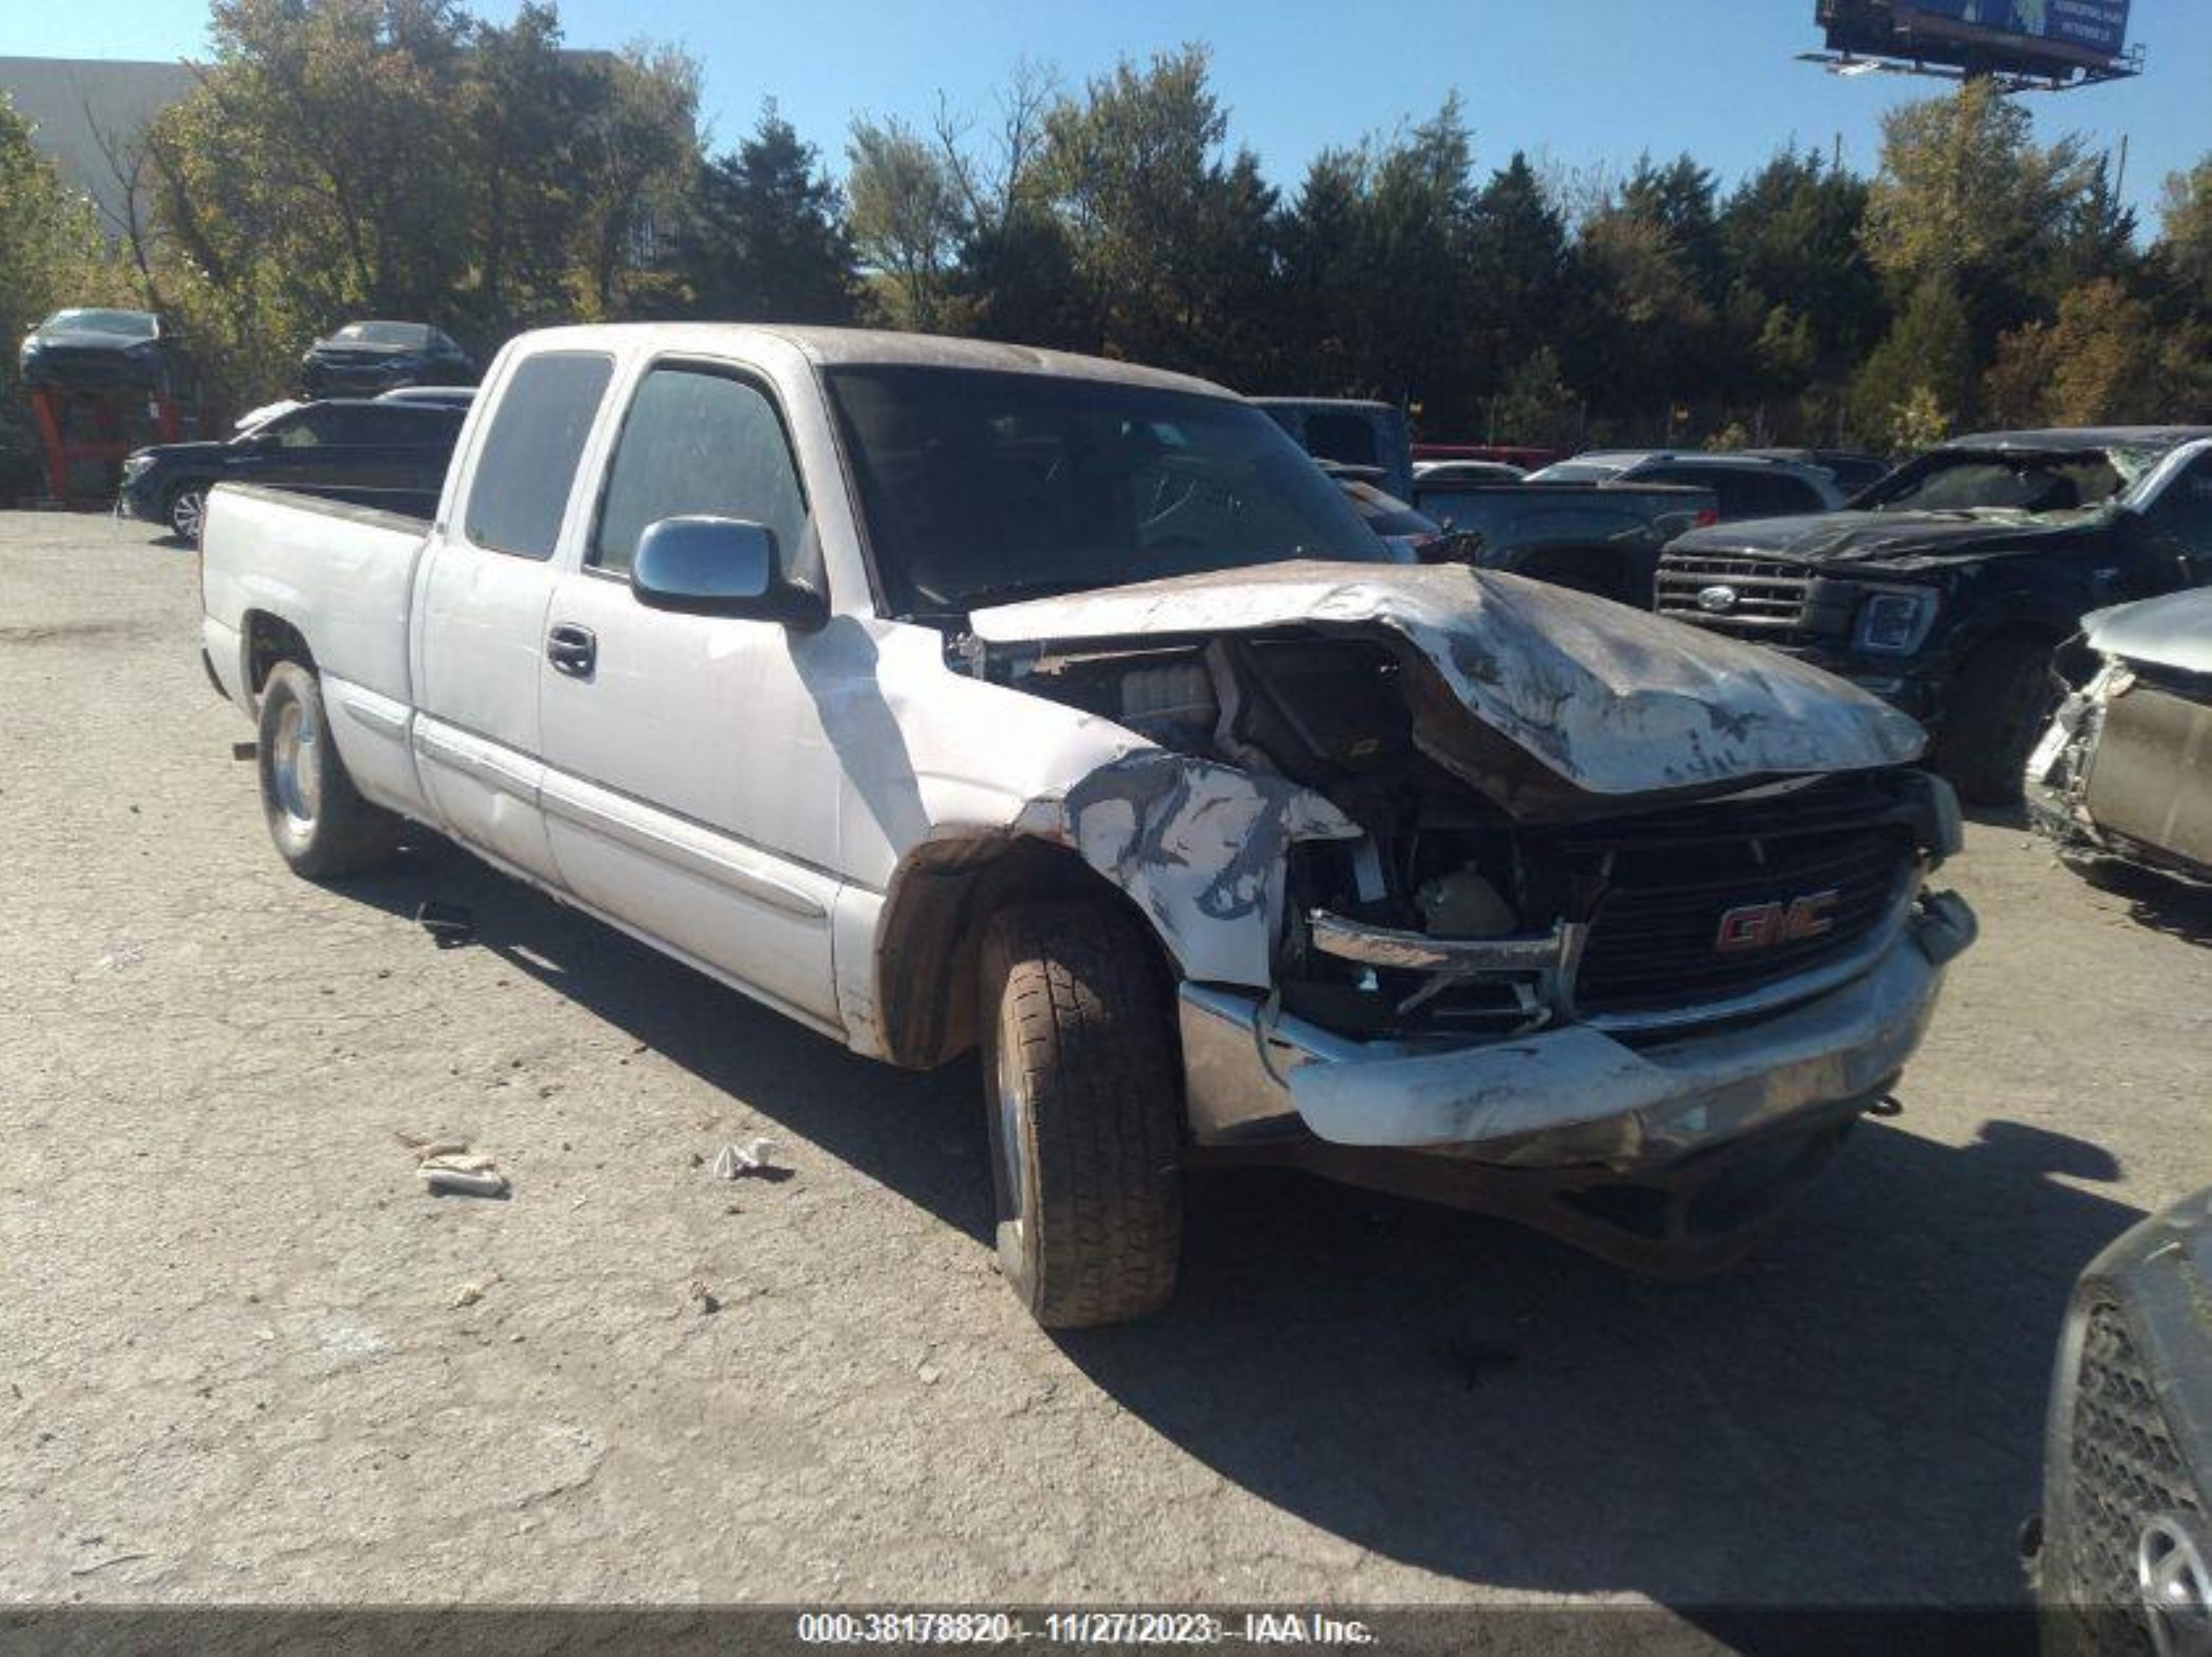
946	695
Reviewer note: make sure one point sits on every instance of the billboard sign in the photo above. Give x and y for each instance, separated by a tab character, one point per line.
2089	29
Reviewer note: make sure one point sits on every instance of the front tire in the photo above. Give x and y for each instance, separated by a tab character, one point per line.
321	825
186	511
1082	1077
2002	697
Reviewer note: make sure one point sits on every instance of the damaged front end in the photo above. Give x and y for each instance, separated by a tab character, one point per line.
1502	894
2120	776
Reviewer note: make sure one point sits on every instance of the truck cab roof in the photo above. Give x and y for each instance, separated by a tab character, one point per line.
864	348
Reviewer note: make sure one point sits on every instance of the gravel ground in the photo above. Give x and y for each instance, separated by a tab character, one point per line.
244	1358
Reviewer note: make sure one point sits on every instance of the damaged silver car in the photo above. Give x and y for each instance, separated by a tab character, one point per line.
2124	772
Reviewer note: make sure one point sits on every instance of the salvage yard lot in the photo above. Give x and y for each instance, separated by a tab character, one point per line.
247	1358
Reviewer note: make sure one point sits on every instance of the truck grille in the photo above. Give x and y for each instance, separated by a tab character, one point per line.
1665	884
1768	594
2123	1468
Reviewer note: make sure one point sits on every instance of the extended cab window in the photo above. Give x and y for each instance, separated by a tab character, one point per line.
696	442
530	452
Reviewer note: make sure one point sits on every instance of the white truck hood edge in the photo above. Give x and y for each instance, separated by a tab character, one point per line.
1612	701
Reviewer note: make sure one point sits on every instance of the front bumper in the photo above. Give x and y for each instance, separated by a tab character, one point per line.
1661	1151
140	497
1570	1095
2124	1544
359	380
91	371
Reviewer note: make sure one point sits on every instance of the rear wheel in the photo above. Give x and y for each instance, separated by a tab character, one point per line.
321	825
1080	1071
2002	697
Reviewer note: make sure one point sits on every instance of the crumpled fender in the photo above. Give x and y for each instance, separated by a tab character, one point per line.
1200	846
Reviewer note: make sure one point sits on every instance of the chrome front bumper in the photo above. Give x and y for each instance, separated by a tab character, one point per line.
1577	1093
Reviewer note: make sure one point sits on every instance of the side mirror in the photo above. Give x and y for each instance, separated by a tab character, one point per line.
720	567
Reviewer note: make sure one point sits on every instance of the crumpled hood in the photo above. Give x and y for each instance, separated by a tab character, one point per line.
2174	631
1895	540
1608	700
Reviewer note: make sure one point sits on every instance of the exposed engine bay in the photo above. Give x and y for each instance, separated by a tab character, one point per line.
1475	897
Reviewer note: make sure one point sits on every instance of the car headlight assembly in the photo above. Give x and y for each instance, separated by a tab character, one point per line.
1895	622
136	466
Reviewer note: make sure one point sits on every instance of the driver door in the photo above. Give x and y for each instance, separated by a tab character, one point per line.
690	791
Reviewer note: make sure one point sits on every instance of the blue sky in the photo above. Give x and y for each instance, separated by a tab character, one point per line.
1580	83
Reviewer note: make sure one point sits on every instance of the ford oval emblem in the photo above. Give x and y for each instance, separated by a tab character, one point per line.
1716	600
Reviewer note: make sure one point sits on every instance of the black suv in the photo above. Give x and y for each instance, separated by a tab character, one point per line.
364	358
1948	585
392	455
87	350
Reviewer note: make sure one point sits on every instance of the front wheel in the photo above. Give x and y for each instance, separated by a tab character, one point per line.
2002	697
1082	1078
321	824
187	512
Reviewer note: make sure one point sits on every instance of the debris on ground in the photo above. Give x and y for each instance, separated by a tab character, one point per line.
469	1293
734	1162
450	925
245	750
705	1299
102	1564
448	1165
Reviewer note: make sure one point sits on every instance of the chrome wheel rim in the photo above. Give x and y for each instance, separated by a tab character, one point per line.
292	766
187	514
1009	1095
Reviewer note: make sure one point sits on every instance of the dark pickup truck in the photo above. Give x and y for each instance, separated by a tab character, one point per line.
1601	538
1947	587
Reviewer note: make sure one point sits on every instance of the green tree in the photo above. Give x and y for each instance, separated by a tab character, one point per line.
636	162
764	240
1518	279
1921	375
904	213
1964	195
1792	234
2102	362
2183	251
1164	226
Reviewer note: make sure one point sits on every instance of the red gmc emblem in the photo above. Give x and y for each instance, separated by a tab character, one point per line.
1763	925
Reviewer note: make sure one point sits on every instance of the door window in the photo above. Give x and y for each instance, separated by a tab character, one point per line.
698	442
1346	438
2183	513
531	451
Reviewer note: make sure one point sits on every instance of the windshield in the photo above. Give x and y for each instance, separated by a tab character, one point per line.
1576	472
385	333
137	325
2019	481
981	487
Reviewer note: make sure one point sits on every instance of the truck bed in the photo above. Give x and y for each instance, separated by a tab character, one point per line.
332	573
